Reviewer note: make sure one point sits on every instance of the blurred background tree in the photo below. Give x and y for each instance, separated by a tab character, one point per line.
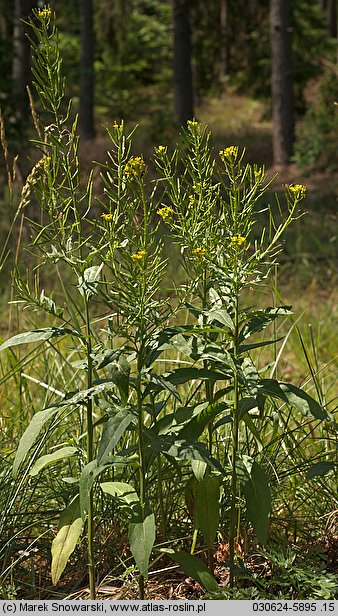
153	60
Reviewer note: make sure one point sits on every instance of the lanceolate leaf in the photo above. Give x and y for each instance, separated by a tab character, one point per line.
87	478
260	319
70	529
37	336
112	432
303	402
194	428
207	495
182	375
220	316
320	469
125	493
255	487
89	280
185	450
52	458
142	537
195	568
30	435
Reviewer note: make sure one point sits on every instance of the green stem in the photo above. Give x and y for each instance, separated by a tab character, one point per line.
235	438
90	456
142	477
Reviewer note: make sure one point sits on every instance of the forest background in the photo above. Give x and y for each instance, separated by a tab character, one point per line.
262	75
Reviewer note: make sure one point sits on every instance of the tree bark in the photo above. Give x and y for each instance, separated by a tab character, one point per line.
86	115
183	89
281	82
21	63
224	49
332	17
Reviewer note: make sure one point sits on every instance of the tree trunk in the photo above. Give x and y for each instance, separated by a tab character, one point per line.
332	17
281	82
183	91
224	49
21	63
86	116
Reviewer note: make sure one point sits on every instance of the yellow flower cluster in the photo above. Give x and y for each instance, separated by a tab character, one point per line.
107	216
237	241
161	149
117	126
229	153
44	13
134	167
166	212
192	123
199	252
298	190
192	199
139	256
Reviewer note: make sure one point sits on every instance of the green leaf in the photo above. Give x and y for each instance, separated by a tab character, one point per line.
244	348
219	316
260	319
89	280
198	468
70	529
195	568
141	539
320	469
182	375
249	375
194	428
119	371
170	445
255	487
159	382
303	402
88	475
245	405
52	458
112	432
37	336
30	435
207	494
271	388
125	494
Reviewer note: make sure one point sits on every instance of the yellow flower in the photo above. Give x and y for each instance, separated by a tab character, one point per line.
298	191
161	149
117	126
139	256
192	199
237	241
134	167
199	252
45	13
166	212
192	123
229	154
107	216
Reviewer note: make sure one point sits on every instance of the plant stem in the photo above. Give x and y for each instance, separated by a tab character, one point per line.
142	478
235	436
90	456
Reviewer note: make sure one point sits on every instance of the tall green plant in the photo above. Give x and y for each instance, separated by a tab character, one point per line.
212	214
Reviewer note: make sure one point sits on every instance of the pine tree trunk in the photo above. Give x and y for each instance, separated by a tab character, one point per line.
224	48
86	116
281	82
21	63
332	17
183	90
